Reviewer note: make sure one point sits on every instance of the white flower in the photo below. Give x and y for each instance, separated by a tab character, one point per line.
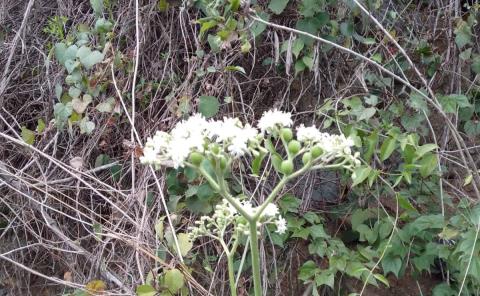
337	145
271	210
149	155
281	225
274	118
308	134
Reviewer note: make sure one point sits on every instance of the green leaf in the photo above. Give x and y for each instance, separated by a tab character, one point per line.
366	113
360	174
97	6
309	8
60	52
146	290
382	279
472	128
80	105
257	28
71	65
387	148
277	6
208	106
103	26
391	264
89	58
257	163
463	34
28	136
289	203
86	126
476	64
450	102
428	164
62	112
107	106
417	102
58	91
297	47
234	5
163	5
184	243
308	61
40	126
299	66
317	231
326	277
235	69
174	280
347	29
308	270
422	150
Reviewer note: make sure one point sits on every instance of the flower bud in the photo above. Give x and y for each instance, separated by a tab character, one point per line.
306	158
286	167
294	146
316	151
195	158
286	134
215	149
223	163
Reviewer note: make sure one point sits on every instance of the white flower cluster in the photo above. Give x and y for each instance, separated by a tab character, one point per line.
274	118
225	214
234	138
194	134
337	145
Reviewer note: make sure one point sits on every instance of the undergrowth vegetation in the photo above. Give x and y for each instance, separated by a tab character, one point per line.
231	147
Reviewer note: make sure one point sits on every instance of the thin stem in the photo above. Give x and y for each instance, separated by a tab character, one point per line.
231	274
257	282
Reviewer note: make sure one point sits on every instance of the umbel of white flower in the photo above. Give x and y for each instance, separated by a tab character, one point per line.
225	215
234	139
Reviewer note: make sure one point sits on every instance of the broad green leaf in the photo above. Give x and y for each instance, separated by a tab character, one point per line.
40	126
28	136
163	5
60	52
74	92
472	128
308	270
257	28
476	64
146	290
391	264
297	47
387	148
208	106
58	91
308	61
86	126
71	52
366	114
257	162
463	34
309	8
422	150
360	174
103	26
185	243
451	102
325	277
382	279
317	231
299	66
234	5
417	102
62	112
372	141
97	6
174	280
347	29
428	164
277	6
289	203
215	42
80	105
89	58
107	106
71	65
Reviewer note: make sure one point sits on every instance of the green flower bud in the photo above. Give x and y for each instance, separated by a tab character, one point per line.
223	163
215	149
294	146
316	151
286	167
286	134
306	158
195	158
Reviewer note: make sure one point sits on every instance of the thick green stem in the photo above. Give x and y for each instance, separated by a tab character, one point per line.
231	275
254	250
